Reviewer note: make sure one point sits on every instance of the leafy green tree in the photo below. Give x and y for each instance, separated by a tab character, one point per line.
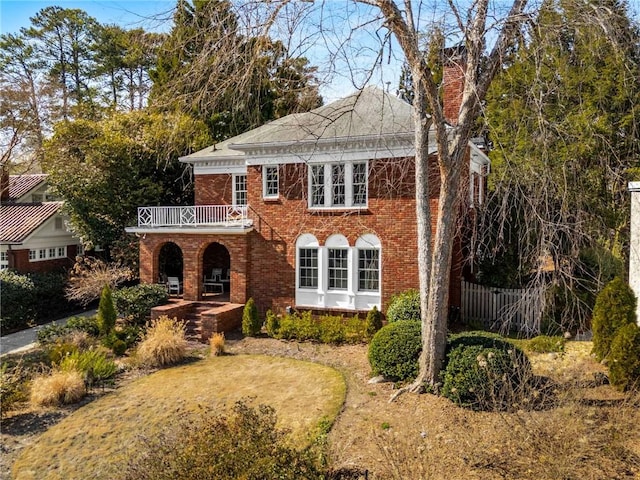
209	69
106	169
563	119
106	312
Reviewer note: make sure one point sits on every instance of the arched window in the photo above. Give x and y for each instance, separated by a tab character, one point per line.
307	261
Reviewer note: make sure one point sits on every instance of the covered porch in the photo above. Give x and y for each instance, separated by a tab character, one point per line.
199	252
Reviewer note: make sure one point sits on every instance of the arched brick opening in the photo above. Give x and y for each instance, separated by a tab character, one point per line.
169	261
216	268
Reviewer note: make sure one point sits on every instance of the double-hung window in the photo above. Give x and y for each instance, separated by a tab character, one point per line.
317	186
239	189
338	268
338	185
270	181
368	270
308	264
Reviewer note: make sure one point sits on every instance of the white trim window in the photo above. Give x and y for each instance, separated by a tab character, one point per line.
308	264
368	270
338	268
40	254
270	182
343	276
239	189
338	185
4	260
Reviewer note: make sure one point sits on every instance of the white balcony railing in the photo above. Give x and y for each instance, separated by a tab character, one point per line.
194	216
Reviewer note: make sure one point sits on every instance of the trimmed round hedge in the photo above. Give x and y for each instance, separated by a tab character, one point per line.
394	350
484	372
404	306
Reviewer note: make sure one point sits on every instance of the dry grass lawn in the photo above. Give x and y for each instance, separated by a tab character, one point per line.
588	433
97	440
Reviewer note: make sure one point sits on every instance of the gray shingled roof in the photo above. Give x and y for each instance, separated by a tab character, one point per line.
19	220
21	184
367	113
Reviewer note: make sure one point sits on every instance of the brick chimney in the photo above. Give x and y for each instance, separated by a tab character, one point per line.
4	184
453	63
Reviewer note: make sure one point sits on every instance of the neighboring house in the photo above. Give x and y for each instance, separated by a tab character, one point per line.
311	211
33	232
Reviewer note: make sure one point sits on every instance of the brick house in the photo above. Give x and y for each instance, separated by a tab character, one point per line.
33	231
311	211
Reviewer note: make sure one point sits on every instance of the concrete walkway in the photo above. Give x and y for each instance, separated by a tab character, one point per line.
26	339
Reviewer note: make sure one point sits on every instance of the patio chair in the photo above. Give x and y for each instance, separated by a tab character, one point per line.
216	274
174	285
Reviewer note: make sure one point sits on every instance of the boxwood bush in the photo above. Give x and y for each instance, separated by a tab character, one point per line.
394	350
485	372
135	303
303	326
404	306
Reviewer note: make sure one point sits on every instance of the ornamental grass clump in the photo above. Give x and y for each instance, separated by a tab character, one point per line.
58	388
164	343
216	343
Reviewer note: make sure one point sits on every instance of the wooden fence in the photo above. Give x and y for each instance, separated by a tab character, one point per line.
502	309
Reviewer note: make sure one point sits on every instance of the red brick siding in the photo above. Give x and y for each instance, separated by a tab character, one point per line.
390	216
263	262
193	247
213	189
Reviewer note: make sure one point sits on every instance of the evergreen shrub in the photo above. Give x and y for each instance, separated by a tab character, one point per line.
615	307
404	306
485	372
394	350
373	323
135	303
624	358
31	298
272	324
547	344
251	321
334	329
106	312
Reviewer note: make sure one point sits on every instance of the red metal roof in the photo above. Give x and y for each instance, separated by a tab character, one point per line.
21	184
19	220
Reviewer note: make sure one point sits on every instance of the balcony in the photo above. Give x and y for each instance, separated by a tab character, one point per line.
200	217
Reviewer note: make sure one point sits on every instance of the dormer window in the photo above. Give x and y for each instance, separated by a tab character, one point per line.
338	185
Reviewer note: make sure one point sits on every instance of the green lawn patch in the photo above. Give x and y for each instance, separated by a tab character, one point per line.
98	440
